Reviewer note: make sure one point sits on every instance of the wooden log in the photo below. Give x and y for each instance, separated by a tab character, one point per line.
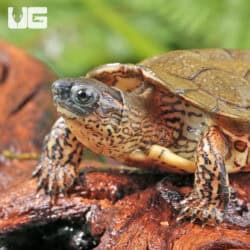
26	111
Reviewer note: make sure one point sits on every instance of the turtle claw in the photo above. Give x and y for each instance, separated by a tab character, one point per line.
54	178
196	209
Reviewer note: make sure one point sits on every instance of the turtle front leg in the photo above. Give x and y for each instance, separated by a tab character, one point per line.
62	153
210	196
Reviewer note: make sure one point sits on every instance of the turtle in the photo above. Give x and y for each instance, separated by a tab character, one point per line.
185	111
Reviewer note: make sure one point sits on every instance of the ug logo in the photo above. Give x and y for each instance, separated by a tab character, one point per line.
29	18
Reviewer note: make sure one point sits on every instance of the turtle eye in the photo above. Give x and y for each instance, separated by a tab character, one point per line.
84	96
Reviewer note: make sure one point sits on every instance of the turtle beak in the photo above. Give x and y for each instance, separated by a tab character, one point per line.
61	89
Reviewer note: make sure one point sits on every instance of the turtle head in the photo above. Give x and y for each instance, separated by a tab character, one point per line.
103	117
81	97
91	109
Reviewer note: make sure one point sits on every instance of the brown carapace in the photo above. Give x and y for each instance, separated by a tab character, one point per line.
183	112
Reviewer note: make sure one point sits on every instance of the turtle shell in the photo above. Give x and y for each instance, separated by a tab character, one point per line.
215	80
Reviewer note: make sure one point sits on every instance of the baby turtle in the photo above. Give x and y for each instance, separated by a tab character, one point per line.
184	112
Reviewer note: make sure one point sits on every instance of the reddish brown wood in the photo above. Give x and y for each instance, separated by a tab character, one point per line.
125	211
25	109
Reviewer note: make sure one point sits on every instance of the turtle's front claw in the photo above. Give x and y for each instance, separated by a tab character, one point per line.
194	208
55	178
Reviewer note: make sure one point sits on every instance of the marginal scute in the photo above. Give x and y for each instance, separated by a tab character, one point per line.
126	77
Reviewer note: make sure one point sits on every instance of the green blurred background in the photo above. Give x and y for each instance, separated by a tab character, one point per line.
82	34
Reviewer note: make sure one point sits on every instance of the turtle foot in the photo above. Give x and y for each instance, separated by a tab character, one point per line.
192	206
54	178
197	209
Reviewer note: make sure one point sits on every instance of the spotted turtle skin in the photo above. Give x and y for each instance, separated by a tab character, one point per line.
182	112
